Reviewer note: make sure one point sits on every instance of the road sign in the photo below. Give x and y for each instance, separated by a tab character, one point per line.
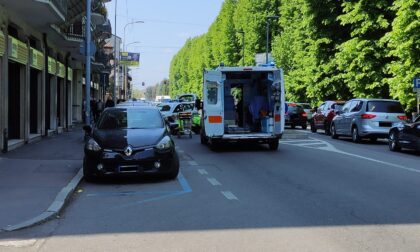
130	59
416	82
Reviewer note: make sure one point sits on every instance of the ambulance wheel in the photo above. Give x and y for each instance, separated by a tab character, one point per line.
203	138
274	145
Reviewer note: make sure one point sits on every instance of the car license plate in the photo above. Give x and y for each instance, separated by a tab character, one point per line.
385	124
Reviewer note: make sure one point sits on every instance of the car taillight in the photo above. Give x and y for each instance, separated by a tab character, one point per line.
368	116
402	118
304	114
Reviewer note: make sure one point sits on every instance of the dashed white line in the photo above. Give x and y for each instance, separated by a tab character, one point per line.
202	171
229	195
295	140
192	162
214	181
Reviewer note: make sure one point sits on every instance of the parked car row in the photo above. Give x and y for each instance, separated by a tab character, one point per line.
367	119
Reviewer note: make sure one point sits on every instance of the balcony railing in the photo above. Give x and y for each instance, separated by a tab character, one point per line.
76	31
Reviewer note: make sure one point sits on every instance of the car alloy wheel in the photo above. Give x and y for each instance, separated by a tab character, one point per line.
393	142
355	135
333	132
313	129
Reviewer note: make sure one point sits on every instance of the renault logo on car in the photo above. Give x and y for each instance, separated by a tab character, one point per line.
128	151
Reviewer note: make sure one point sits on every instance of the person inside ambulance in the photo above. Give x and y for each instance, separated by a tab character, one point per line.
258	108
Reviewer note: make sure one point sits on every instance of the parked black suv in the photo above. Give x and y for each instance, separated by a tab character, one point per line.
296	116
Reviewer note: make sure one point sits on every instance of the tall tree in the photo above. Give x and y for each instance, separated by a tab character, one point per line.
404	50
362	59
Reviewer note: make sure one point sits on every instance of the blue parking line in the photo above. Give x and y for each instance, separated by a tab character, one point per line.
185	189
185	186
129	193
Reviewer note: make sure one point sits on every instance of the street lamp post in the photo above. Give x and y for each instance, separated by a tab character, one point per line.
124	48
114	91
134	22
268	36
87	77
243	46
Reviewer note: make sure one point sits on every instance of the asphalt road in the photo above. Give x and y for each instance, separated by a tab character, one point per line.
314	194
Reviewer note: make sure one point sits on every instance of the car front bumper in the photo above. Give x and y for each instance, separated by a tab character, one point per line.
141	162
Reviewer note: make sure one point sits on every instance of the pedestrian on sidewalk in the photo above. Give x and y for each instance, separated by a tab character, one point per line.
109	103
93	109
99	109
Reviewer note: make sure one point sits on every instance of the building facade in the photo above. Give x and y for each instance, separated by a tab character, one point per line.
42	66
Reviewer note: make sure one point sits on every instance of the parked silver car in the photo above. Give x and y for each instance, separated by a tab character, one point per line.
371	118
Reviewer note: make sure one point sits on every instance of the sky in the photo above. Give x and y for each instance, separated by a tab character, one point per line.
167	25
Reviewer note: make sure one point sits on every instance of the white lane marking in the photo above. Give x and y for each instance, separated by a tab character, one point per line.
214	181
18	243
192	162
332	148
296	140
180	151
309	144
202	171
229	195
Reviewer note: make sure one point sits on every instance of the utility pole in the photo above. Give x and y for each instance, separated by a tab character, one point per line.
114	91
87	77
268	36
125	50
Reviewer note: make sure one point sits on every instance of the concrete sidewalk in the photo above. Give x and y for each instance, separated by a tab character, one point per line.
36	179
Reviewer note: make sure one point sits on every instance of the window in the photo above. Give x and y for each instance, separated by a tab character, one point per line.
384	107
165	108
130	119
356	106
337	106
305	106
212	93
179	108
346	107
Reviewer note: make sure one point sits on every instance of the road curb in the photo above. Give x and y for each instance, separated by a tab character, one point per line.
54	209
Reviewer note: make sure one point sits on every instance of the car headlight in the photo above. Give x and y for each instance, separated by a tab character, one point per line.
165	144
92	145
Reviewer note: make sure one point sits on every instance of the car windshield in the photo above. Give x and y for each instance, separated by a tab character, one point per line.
305	106
164	108
130	119
186	98
337	106
385	107
295	108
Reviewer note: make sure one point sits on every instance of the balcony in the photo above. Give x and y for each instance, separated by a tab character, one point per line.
60	5
38	13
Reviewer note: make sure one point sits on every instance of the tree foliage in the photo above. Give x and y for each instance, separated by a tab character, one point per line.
329	49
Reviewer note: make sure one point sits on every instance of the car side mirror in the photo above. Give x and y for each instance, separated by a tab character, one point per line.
87	129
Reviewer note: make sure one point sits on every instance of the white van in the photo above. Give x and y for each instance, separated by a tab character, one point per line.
243	104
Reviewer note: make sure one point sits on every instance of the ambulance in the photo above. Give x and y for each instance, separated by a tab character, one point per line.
243	104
